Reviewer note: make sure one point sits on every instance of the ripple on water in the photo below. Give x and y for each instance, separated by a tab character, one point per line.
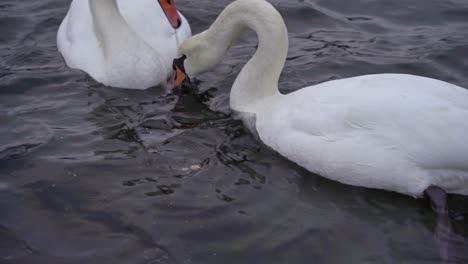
108	175
22	136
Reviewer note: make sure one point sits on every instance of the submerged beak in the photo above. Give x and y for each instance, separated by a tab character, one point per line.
180	77
170	10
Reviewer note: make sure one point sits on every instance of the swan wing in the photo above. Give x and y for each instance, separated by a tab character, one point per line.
76	39
376	128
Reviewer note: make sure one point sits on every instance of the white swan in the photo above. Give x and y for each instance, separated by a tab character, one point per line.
395	132
122	43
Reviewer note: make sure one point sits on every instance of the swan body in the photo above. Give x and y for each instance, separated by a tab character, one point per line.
120	43
395	132
388	131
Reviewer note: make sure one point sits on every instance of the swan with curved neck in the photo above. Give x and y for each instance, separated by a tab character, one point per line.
120	43
395	132
259	77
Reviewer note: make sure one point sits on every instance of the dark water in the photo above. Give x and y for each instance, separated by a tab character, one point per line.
92	174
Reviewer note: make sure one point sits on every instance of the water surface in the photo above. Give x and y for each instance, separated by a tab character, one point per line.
94	174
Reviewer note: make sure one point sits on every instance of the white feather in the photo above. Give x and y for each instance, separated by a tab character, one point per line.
127	44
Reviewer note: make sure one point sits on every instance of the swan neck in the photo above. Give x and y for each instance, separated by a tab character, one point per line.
108	22
259	77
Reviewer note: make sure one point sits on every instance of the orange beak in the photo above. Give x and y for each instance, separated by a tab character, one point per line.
170	10
180	76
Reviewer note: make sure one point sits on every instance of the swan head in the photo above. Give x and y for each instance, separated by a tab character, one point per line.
197	55
169	8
